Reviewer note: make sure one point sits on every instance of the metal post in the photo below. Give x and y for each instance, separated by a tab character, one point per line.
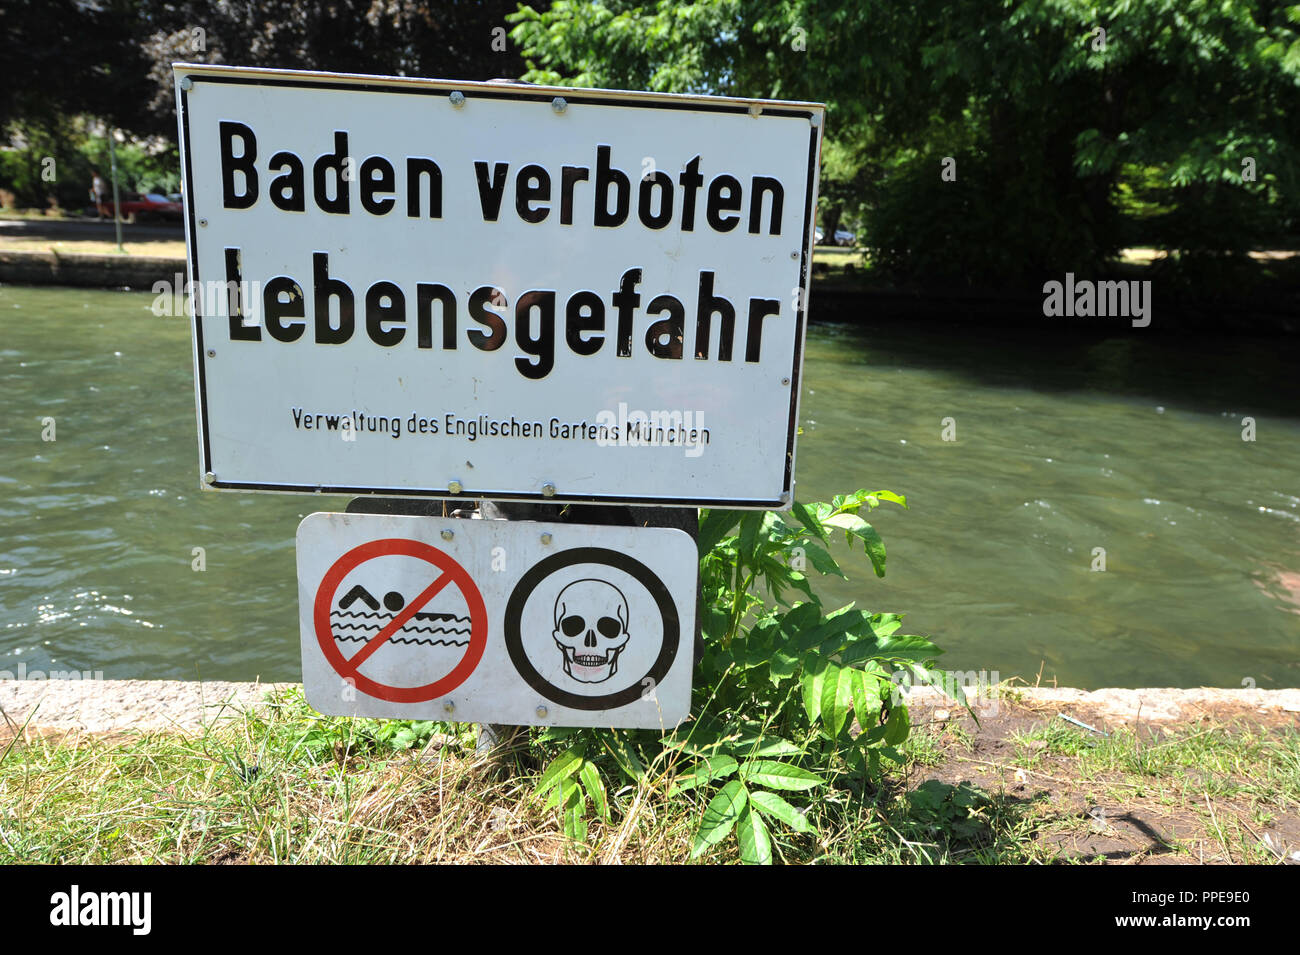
117	211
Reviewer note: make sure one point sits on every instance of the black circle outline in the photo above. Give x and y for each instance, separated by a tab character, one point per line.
611	558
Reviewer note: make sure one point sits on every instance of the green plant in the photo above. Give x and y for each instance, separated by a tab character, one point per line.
947	811
788	699
342	738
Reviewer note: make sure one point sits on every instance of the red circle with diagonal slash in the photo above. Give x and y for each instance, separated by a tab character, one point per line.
452	573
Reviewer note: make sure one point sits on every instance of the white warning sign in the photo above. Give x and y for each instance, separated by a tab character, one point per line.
420	287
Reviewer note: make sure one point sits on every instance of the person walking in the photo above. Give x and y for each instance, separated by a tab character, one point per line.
99	189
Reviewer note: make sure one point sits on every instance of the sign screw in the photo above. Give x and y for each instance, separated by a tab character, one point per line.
203	222
548	490
457	99
449	707
209	477
541	712
448	535
794	255
546	538
785	381
559	104
454	487
187	84
212	353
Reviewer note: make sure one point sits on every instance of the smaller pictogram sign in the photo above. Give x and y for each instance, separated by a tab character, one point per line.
496	621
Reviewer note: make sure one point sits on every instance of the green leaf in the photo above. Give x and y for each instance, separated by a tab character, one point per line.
770	804
893	754
720	817
902	647
751	833
798	619
866	697
704	736
822	560
837	693
563	793
875	547
826	637
897	726
782	665
892	497
563	766
624	753
778	775
849	523
750	525
813	677
883	624
715	622
714	526
755	743
706	770
595	787
854	526
808	519
575	815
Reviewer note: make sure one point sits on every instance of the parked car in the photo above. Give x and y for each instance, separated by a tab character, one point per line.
845	237
137	207
818	236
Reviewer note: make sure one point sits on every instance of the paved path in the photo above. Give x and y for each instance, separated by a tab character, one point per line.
72	229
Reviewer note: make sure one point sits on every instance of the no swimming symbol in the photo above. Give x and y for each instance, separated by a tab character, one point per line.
336	629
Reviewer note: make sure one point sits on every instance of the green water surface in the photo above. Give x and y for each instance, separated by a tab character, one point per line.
1131	443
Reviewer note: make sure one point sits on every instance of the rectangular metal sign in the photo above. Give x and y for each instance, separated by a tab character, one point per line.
421	287
513	622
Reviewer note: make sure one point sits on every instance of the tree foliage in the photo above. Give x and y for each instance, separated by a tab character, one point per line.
74	67
1049	110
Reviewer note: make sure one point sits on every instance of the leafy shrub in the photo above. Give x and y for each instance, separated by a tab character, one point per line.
788	699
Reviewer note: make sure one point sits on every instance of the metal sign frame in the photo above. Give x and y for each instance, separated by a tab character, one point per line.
189	77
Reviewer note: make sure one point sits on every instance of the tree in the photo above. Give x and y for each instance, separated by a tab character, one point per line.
62	57
1040	111
464	40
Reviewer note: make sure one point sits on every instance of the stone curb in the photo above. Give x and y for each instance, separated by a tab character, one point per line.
87	270
102	706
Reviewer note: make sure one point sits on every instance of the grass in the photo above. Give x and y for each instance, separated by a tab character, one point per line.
283	785
838	257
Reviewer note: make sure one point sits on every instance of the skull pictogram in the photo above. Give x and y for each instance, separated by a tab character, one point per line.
591	618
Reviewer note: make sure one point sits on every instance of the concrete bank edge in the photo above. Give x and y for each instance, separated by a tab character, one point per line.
102	706
87	270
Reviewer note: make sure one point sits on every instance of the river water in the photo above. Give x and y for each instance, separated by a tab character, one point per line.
1055	448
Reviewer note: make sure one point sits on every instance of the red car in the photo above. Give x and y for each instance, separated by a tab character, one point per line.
137	207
